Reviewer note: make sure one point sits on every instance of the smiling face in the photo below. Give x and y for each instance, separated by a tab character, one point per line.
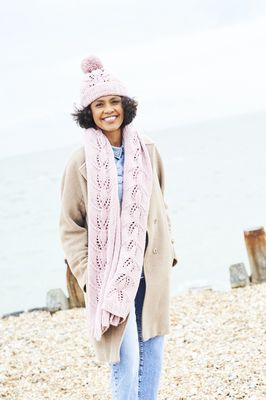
108	113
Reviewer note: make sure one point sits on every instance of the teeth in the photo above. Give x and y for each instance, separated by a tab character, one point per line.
109	118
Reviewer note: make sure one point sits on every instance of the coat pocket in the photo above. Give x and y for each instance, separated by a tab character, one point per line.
146	242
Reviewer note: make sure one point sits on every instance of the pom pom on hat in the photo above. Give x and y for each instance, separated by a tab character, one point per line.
98	82
90	64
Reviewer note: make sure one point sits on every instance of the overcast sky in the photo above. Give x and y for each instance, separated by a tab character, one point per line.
184	61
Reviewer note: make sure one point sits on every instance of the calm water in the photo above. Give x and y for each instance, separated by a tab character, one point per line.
215	174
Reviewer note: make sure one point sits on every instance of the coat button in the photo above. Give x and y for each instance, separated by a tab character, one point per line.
155	251
155	221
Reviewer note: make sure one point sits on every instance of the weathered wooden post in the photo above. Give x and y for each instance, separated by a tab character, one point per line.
238	275
56	300
256	248
76	296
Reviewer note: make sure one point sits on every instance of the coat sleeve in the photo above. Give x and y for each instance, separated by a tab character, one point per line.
161	177
72	224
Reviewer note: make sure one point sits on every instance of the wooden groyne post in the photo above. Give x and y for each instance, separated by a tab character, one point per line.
238	275
76	296
255	240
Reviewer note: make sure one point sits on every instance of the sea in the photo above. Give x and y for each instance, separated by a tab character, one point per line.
215	189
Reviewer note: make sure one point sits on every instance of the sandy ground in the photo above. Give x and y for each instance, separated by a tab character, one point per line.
216	350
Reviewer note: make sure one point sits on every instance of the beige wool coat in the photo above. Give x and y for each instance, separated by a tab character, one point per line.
159	255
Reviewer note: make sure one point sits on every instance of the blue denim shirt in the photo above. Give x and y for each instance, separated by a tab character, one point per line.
119	161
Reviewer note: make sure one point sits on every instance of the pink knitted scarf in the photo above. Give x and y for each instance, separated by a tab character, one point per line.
116	238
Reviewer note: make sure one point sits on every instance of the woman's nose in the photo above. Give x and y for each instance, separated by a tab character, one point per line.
108	108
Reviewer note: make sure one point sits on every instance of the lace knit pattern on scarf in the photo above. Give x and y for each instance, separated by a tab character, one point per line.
116	238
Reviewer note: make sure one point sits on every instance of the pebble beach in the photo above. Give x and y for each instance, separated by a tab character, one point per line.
216	350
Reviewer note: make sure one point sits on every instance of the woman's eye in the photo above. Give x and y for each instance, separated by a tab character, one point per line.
98	105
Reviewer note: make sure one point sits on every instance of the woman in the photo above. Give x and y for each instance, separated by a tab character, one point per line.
116	237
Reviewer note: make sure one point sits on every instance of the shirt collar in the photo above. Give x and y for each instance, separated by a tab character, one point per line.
118	151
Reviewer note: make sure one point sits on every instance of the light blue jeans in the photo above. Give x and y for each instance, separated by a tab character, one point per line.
137	375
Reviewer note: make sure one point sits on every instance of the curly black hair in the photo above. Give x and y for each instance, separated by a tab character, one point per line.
84	119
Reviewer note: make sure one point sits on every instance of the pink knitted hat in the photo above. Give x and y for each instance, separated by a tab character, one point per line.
98	82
